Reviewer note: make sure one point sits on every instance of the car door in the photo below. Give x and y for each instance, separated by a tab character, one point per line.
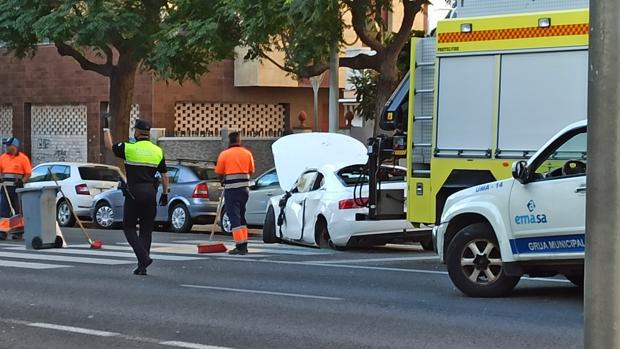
295	207
548	213
312	203
264	188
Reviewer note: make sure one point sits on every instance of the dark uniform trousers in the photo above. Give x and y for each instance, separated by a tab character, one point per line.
236	199
140	208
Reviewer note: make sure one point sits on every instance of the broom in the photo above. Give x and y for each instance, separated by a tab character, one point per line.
216	247
12	224
95	245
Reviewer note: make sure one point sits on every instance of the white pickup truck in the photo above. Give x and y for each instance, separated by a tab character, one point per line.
533	224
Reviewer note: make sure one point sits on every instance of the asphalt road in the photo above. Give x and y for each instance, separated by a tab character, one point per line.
280	296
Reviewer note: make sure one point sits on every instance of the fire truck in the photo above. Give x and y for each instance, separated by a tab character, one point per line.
487	91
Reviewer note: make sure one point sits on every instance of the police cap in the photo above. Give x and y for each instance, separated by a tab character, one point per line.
142	125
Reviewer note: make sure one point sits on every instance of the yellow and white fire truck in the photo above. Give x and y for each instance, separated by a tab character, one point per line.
487	91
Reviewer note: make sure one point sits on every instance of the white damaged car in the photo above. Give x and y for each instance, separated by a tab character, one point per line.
326	192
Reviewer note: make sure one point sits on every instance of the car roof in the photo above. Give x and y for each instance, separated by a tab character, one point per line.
76	164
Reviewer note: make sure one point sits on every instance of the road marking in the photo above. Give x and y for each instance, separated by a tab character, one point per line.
58	258
189	345
372	260
108	253
240	290
98	333
80	330
418	271
30	265
271	248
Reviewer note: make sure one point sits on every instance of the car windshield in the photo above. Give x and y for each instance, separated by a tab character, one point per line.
203	173
357	174
99	174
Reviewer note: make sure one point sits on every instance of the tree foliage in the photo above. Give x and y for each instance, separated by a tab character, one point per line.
305	30
174	39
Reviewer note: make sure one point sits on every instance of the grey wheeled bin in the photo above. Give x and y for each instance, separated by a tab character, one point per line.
39	210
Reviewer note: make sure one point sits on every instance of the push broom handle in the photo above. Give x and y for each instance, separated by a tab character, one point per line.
6	193
218	213
77	219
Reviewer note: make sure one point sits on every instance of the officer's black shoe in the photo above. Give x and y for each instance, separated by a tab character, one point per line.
139	271
148	263
238	252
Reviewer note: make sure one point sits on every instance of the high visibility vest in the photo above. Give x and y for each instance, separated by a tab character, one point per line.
143	154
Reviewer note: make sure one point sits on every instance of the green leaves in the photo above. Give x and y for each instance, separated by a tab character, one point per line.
174	39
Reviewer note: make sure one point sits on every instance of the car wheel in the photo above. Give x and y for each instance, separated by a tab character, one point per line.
475	263
225	225
322	238
180	220
576	279
63	214
104	216
269	227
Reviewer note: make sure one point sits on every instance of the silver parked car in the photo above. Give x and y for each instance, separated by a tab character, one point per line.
262	189
194	195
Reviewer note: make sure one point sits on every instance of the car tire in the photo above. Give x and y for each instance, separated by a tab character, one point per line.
225	226
321	235
475	265
576	279
269	227
104	216
180	220
64	216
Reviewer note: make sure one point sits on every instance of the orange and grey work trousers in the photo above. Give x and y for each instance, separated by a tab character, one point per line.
236	199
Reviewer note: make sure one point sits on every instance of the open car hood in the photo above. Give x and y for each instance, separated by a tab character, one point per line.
297	153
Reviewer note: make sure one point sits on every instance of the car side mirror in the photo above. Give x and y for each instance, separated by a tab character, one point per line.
519	171
252	184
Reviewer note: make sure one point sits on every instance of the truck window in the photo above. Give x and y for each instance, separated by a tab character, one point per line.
566	160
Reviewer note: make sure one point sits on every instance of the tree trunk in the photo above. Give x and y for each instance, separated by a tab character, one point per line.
122	82
388	80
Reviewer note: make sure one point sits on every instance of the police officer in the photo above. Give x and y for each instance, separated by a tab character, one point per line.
143	160
15	170
235	165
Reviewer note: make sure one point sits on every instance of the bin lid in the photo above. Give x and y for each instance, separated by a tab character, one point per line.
34	189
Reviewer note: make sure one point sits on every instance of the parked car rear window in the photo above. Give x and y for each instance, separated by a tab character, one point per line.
203	173
99	174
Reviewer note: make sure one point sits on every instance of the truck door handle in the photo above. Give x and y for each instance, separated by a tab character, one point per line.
581	189
269	194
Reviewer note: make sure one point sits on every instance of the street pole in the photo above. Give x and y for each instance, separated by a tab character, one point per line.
334	88
602	264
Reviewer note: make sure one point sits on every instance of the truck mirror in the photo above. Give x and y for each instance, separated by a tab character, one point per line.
519	171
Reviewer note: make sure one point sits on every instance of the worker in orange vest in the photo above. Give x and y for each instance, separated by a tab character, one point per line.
235	165
15	170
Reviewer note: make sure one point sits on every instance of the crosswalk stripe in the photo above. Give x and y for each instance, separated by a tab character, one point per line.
30	265
104	253
60	258
182	250
272	248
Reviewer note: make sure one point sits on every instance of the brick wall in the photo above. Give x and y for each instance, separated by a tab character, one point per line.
207	149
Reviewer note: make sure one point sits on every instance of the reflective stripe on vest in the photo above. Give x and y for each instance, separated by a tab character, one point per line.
237	180
143	153
14	176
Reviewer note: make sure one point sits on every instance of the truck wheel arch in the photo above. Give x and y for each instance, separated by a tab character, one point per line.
459	222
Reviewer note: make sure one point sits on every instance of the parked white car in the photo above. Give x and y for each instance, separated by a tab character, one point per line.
326	184
534	224
80	182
